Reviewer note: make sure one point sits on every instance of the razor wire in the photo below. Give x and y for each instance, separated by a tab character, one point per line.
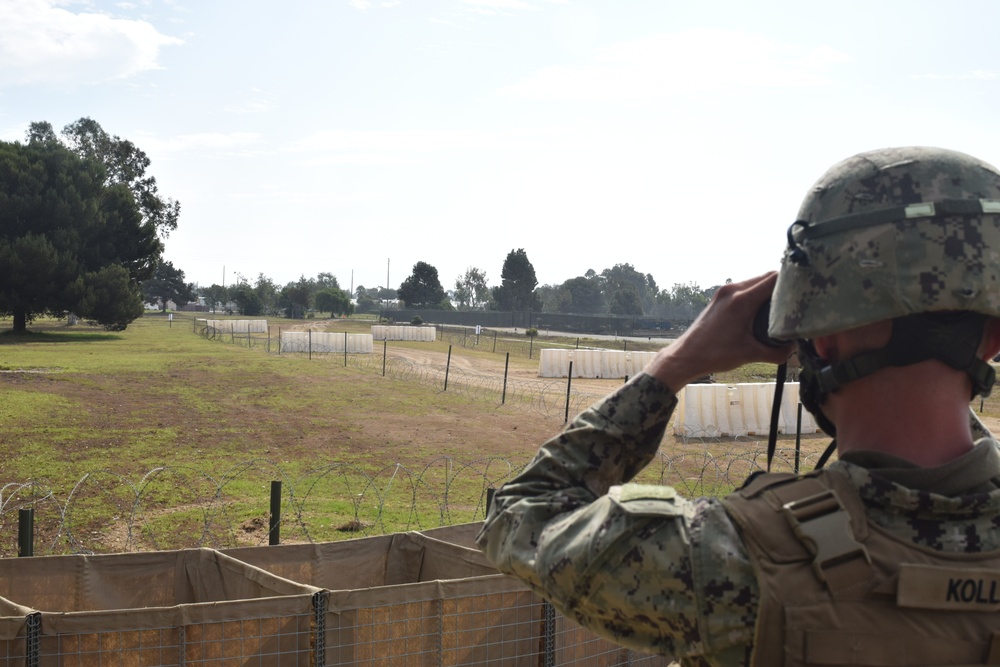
179	506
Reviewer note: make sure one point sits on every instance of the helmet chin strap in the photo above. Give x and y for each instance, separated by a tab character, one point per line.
950	337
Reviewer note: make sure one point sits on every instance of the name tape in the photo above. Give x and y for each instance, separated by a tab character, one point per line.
947	588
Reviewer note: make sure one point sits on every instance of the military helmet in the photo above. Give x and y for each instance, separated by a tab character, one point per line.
890	233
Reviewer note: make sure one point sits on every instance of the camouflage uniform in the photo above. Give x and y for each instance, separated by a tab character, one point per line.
660	573
895	234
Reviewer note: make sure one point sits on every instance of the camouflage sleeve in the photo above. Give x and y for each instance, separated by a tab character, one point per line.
634	563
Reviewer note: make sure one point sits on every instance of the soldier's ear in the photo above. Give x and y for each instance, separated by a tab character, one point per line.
826	347
990	345
845	344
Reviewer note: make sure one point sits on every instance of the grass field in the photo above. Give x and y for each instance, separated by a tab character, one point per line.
159	438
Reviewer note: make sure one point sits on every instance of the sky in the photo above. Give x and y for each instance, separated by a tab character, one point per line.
358	137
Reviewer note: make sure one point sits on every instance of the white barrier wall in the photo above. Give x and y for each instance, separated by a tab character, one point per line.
713	410
400	332
554	363
238	326
301	341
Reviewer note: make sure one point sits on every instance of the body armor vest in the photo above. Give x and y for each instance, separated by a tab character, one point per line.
838	590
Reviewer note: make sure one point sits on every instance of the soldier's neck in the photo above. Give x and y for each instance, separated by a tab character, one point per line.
919	413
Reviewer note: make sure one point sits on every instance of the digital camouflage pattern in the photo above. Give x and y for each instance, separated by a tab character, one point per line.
964	522
837	274
661	573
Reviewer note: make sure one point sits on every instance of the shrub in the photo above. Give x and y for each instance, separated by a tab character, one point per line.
531	332
416	321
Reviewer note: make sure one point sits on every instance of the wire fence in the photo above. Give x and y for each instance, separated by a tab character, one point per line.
175	507
547	397
178	506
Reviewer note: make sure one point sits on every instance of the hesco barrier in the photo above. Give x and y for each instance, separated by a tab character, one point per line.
319	342
419	333
237	327
403	599
195	606
716	410
555	363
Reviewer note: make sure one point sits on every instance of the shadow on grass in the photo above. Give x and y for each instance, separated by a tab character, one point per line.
9	337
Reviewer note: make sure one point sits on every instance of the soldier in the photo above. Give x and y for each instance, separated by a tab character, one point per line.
889	556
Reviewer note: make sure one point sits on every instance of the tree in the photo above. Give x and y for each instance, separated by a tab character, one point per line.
555	299
624	278
625	301
334	300
367	299
295	298
422	289
108	296
517	287
246	298
325	280
267	291
167	284
471	290
125	164
586	295
60	220
683	300
215	295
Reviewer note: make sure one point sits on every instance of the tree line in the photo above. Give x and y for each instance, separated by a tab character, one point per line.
619	290
82	231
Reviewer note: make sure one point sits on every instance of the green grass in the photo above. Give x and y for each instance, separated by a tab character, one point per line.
188	433
87	415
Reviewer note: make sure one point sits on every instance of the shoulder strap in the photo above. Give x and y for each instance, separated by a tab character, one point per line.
821	519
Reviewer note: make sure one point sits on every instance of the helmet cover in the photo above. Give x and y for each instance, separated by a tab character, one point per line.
890	233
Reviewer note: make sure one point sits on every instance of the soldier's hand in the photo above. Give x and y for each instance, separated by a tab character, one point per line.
721	338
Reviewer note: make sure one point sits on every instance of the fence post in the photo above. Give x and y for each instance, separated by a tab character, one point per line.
274	525
798	436
269	339
26	532
385	345
531	345
495	342
447	368
279	340
345	349
310	344
506	365
569	383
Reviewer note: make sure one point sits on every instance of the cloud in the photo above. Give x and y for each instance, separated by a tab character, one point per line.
205	143
679	64
407	147
976	75
258	102
42	43
499	4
